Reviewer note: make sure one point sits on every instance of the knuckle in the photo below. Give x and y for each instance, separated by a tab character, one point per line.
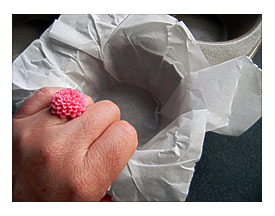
43	157
127	129
122	144
88	99
45	91
47	154
53	152
125	140
111	106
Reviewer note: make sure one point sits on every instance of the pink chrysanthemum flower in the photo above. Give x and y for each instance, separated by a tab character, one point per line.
68	103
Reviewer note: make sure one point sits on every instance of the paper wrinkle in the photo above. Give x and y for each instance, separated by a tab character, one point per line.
180	51
75	39
138	187
105	25
95	53
246	107
182	153
27	75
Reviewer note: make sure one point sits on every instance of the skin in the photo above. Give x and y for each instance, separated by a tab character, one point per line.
58	159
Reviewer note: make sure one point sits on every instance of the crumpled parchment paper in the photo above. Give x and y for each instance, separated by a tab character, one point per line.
153	68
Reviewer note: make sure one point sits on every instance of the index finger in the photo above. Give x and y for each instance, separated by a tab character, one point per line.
40	100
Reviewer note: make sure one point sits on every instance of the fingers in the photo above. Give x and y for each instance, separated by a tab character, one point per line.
109	154
40	100
36	102
48	118
93	123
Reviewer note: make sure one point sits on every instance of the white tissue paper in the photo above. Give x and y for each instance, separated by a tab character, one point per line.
152	67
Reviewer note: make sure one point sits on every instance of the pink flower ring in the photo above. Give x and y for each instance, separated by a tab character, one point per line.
68	103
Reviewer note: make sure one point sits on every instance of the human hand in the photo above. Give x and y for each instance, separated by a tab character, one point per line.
58	159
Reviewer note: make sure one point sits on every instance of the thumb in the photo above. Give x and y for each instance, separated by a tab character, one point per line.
109	154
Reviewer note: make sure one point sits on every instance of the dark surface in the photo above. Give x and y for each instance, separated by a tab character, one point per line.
230	168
